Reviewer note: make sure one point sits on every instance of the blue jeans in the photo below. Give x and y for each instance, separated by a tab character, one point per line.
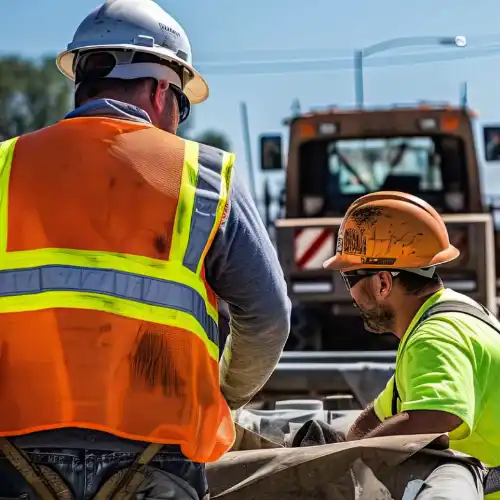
172	476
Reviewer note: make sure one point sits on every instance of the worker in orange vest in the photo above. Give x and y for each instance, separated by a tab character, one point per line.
117	238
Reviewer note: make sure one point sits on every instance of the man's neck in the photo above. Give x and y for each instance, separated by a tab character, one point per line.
408	309
111	108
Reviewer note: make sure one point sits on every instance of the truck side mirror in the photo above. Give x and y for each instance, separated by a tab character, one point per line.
491	141
271	152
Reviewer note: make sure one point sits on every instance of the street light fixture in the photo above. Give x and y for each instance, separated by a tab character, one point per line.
360	55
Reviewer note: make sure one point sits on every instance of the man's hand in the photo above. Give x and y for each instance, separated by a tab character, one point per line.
366	422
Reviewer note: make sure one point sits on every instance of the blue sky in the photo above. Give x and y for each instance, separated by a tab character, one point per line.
230	30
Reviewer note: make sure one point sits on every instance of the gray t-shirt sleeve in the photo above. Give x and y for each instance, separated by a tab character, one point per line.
243	269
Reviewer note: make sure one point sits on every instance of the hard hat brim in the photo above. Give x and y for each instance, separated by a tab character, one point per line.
340	262
196	90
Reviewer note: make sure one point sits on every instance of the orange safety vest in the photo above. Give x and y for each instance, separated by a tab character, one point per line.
106	320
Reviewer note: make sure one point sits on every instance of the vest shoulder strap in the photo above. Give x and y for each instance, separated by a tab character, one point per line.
449	306
456	306
203	196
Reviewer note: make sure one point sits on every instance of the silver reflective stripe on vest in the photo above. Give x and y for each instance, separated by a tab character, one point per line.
210	162
142	289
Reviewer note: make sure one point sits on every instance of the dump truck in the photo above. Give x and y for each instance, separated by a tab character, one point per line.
335	156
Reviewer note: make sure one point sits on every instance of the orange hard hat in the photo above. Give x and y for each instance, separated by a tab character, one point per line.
389	229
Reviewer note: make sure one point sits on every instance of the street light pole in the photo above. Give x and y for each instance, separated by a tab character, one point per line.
360	55
358	78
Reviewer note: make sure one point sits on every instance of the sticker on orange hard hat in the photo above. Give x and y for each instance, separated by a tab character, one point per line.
354	242
378	261
339	243
366	216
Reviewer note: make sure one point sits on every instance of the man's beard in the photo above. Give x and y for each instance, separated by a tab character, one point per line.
377	320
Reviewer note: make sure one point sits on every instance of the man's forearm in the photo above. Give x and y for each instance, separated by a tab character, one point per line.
395	426
249	359
416	422
243	269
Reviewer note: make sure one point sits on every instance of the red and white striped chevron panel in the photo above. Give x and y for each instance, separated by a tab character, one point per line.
313	246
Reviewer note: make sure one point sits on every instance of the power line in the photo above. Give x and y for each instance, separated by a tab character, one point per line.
253	55
220	56
349	58
290	66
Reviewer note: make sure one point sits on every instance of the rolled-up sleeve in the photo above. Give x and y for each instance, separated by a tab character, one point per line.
243	269
383	402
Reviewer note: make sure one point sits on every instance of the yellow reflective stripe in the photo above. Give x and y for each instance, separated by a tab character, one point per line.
113	305
226	177
127	263
6	154
203	220
185	205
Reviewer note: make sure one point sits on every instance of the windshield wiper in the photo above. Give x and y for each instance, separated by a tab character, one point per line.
399	156
351	170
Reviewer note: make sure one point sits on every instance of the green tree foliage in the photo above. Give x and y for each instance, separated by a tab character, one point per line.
33	94
186	127
209	137
214	138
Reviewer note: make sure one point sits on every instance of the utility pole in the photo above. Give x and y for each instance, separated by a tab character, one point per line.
248	149
296	108
464	95
358	78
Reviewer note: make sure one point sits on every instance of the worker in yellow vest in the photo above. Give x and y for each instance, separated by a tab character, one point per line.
117	239
448	360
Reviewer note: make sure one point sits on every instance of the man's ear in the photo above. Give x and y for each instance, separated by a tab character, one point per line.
382	283
158	96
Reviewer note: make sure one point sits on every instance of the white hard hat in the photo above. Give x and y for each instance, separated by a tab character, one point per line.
140	26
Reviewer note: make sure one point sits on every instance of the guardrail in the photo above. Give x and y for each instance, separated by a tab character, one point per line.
322	375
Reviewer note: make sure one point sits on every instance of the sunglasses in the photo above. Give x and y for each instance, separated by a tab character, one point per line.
352	278
96	65
183	103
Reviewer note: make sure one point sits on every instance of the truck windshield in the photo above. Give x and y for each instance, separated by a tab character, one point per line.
333	173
